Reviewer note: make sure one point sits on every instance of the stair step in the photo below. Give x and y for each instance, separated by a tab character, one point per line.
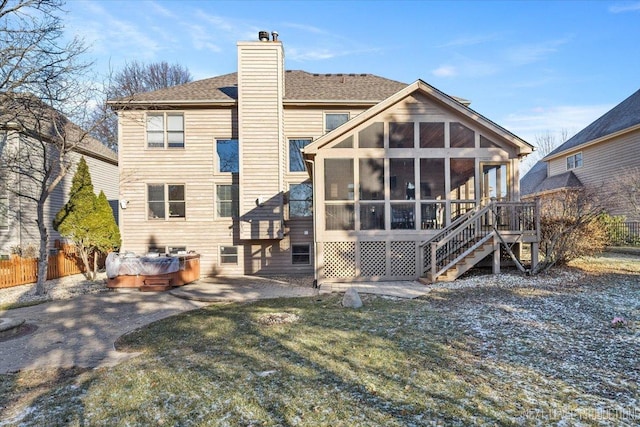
156	285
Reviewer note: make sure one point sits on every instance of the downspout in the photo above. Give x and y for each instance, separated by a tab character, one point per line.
315	239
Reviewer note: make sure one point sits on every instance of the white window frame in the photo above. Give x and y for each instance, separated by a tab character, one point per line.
306	183
334	113
166	132
167	202
233	215
217	157
573	160
222	256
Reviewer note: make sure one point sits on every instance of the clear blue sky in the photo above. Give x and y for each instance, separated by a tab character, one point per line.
532	67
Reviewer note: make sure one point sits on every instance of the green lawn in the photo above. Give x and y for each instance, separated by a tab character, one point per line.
533	354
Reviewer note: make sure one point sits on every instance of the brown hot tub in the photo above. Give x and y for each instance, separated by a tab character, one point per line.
151	273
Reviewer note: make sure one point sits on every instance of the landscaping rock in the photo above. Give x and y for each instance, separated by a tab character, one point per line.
351	299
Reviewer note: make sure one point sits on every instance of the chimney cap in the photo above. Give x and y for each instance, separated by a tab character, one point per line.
263	36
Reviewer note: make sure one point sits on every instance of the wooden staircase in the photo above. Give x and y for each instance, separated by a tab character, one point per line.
465	263
474	236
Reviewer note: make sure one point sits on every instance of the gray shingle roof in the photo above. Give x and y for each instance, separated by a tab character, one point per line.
536	180
299	85
622	116
533	178
32	116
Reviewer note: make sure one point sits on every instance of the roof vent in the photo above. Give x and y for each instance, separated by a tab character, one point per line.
263	36
274	36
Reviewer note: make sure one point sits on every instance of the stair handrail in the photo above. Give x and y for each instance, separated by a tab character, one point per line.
464	254
428	248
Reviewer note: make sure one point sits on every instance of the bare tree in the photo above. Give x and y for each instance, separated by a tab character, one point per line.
135	77
545	143
42	83
571	225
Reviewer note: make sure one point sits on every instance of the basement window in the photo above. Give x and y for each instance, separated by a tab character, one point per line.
301	254
228	254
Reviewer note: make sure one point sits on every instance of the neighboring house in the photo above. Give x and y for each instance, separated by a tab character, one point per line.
595	158
18	227
268	172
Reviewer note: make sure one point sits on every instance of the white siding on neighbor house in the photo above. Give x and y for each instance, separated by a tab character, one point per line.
24	232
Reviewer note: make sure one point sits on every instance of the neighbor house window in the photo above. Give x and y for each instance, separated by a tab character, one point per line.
4	209
227	201
228	254
333	120
227	153
574	161
165	130
300	200
296	162
301	254
166	201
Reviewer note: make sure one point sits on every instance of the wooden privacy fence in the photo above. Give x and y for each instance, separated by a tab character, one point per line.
63	262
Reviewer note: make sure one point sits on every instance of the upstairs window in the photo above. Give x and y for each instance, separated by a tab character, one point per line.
228	157
296	162
165	130
333	120
166	201
574	161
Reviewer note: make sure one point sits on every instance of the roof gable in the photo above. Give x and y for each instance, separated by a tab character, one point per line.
623	116
430	92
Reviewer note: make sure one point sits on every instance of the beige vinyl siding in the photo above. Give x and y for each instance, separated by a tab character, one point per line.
603	162
193	166
274	257
260	118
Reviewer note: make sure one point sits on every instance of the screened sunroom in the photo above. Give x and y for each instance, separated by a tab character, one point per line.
399	175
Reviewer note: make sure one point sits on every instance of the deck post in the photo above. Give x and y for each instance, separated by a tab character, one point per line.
496	256
535	248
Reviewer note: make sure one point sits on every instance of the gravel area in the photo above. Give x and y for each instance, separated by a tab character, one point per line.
62	288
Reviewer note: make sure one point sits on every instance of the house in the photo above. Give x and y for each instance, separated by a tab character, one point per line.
595	158
269	171
23	143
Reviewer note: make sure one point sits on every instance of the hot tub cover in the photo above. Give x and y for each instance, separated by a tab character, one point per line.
131	265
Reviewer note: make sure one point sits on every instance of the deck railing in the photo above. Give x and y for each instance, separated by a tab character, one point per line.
448	247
